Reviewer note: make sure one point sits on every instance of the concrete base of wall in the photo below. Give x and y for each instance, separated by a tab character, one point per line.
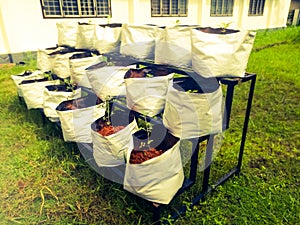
17	57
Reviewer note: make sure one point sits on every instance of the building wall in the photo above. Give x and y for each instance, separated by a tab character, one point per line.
23	28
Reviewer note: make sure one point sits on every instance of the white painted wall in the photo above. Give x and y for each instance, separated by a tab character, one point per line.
23	28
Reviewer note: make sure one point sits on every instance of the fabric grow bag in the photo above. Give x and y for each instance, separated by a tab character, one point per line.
218	53
173	46
85	36
53	96
78	67
44	59
76	117
147	95
67	33
138	41
107	80
157	179
61	63
111	150
191	115
108	38
26	75
33	91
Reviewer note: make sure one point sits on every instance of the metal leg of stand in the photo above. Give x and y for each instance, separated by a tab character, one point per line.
228	106
246	122
207	164
194	159
156	214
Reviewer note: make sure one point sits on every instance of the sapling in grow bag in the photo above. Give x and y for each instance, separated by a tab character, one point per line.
219	51
112	136
154	172
55	94
193	108
146	89
33	90
76	117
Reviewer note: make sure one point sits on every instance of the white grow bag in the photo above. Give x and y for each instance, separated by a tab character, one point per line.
147	95
138	41
78	69
53	98
107	38
190	115
221	54
33	93
157	179
108	80
26	75
173	46
61	64
110	151
85	36
67	33
76	123
44	59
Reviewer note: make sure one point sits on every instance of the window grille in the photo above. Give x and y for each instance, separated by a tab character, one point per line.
256	7
221	7
87	7
160	8
52	7
76	8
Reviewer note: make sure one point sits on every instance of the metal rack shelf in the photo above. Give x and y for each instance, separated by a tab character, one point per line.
230	82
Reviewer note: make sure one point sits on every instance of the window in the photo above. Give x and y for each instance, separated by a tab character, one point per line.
169	7
76	8
221	7
256	7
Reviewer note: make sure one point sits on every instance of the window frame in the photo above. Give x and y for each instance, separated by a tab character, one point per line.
258	10
63	14
170	13
224	4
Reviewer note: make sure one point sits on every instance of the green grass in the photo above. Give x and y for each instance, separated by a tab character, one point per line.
44	180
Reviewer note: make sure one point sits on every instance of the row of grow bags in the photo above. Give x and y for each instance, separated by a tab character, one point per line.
118	145
66	62
209	51
80	117
187	107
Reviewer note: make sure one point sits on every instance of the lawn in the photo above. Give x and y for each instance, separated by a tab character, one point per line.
44	180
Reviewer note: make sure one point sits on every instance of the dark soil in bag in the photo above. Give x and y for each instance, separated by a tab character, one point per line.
211	30
79	103
52	77
111	25
108	125
85	54
196	85
147	147
60	88
149	71
26	73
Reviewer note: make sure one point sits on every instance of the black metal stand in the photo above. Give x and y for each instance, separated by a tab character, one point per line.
230	82
206	188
